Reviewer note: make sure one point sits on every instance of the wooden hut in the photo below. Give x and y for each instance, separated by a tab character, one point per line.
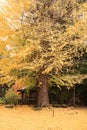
28	96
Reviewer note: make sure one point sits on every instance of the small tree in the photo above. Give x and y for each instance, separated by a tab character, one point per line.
12	97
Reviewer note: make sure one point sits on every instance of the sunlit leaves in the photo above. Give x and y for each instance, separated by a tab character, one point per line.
43	35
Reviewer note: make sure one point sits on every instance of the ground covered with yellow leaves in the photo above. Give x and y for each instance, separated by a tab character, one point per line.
27	118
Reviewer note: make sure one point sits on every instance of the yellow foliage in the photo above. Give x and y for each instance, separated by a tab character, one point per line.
40	42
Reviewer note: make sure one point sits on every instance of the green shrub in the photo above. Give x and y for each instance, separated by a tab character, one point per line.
12	97
2	100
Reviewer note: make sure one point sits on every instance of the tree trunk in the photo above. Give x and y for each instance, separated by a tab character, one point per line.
43	100
74	96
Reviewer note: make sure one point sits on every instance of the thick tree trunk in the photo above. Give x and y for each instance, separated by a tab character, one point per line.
43	100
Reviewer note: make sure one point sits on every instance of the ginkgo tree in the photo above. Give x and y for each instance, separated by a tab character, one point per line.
50	35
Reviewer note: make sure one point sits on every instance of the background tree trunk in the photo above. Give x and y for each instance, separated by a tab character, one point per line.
43	100
74	96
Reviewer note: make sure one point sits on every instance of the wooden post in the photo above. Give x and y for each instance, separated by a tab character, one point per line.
53	111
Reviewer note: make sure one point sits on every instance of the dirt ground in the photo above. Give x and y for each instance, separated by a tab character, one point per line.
25	118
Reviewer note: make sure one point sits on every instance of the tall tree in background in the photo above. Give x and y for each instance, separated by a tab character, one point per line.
52	35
